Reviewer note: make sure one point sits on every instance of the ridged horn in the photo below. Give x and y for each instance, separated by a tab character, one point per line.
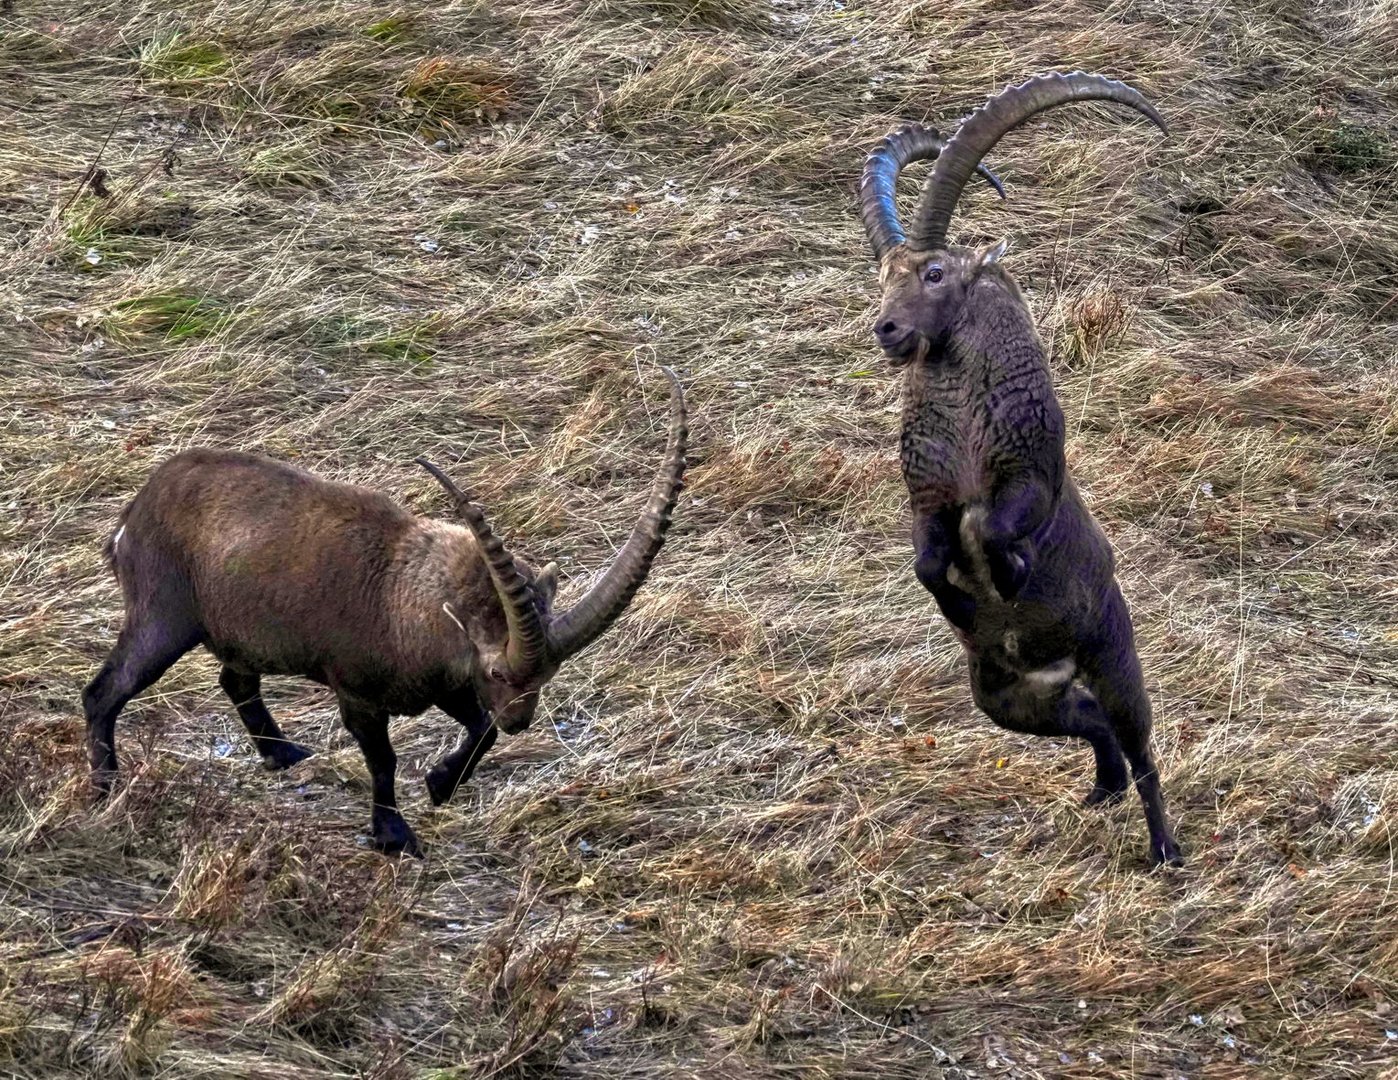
527	643
603	604
878	188
987	125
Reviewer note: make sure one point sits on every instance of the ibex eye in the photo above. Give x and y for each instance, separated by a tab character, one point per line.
933	275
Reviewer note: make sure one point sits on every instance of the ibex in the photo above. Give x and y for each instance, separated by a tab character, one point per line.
278	572
1001	535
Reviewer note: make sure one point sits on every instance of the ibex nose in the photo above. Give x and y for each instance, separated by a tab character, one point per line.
890	332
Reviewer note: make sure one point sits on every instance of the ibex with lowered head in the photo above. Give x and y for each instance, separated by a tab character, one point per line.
278	572
1001	535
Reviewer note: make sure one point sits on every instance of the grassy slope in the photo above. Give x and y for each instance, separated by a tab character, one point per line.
759	827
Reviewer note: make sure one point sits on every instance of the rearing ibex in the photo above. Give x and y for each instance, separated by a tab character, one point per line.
276	571
1002	537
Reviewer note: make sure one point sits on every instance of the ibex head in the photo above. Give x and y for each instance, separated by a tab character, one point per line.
925	281
536	639
924	294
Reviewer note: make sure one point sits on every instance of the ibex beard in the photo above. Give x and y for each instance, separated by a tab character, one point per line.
1001	535
278	572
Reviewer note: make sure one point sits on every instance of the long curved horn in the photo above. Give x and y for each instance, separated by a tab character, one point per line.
524	650
878	188
581	624
988	124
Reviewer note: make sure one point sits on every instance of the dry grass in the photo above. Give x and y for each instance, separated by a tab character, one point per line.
759	829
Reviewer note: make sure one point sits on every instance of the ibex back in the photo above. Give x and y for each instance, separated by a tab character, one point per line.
1002	537
277	572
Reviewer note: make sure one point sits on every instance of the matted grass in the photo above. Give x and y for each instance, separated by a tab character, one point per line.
759	828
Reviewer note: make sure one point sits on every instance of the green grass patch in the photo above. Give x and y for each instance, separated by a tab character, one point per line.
172	316
294	164
411	345
1353	148
392	29
176	58
113	232
90	241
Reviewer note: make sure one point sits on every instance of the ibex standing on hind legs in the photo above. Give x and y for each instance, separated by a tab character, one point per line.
1002	537
277	572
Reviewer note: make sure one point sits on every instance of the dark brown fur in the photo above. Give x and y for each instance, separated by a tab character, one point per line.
1003	539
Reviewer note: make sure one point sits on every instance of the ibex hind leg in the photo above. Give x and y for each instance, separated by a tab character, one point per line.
145	650
1130	716
1050	703
1109	786
245	691
1115	677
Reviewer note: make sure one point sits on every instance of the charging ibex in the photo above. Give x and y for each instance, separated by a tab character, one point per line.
276	571
1001	535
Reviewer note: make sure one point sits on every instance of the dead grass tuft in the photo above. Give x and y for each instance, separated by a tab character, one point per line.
445	91
1097	319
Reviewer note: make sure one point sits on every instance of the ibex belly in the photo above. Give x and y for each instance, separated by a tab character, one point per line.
1002	649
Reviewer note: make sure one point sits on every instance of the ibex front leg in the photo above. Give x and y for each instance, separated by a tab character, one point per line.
369	726
932	546
244	689
456	768
1015	511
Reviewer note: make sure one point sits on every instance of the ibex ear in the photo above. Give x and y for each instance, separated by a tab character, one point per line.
546	583
991	255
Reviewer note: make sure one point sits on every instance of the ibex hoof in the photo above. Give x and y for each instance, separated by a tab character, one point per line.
441	785
1104	796
393	837
283	755
1166	853
101	785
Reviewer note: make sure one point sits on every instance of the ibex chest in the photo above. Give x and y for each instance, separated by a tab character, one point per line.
947	442
967	432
